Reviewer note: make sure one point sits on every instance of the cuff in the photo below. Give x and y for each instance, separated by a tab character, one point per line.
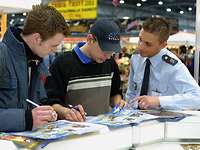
29	119
166	102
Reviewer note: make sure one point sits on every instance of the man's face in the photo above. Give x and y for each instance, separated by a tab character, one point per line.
99	55
149	44
43	48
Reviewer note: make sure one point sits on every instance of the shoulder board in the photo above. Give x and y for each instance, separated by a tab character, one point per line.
169	60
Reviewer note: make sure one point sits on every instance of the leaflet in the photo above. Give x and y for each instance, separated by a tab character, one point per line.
60	129
122	118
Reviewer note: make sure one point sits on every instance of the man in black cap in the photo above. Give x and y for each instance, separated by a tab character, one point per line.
87	78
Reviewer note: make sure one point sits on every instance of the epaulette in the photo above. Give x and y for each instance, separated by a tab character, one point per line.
169	60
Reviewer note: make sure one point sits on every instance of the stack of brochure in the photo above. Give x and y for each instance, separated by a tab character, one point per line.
50	132
122	118
60	129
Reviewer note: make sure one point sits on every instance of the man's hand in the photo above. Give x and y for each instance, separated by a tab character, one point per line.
117	100
76	113
121	103
148	102
42	115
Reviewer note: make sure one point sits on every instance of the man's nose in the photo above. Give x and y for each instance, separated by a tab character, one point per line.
108	56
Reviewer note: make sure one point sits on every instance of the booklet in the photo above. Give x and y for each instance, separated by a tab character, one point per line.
122	118
166	115
60	129
22	141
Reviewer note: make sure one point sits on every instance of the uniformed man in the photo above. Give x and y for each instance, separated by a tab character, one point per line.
158	79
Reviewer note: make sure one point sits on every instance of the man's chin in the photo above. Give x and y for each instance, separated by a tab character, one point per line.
99	61
143	55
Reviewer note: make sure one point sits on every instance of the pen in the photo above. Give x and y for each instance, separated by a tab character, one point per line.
76	108
33	103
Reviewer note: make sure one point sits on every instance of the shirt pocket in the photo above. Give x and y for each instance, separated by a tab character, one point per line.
7	83
8	92
159	90
136	86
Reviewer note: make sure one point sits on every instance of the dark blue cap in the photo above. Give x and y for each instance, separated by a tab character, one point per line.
107	33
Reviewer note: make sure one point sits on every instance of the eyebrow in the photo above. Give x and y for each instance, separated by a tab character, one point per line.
144	40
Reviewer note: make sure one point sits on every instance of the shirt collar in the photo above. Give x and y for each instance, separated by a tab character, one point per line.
156	59
32	58
84	58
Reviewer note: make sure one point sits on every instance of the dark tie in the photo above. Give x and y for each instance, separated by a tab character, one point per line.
145	82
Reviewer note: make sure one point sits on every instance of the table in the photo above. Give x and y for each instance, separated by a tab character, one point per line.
152	135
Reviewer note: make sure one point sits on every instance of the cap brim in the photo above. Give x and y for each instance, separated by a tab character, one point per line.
107	46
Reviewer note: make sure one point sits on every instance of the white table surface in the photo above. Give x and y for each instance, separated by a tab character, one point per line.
150	135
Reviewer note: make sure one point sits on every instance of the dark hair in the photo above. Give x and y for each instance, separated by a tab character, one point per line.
46	21
158	26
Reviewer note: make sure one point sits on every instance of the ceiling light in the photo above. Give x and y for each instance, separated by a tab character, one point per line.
22	19
126	17
181	12
168	9
143	0
13	15
160	3
139	4
24	14
11	21
121	1
190	8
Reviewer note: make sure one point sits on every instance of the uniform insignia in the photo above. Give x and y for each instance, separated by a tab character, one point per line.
169	60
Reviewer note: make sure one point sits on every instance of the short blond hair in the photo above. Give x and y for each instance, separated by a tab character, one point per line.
157	26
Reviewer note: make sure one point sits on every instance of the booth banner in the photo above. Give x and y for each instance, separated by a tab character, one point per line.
76	9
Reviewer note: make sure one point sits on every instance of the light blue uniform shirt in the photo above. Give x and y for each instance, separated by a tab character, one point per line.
174	85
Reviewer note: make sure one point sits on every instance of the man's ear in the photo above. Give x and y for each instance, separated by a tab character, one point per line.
37	38
164	44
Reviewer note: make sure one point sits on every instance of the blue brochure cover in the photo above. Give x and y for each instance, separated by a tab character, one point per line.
122	117
59	129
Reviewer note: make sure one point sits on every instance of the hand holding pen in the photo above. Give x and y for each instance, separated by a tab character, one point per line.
42	114
119	106
76	113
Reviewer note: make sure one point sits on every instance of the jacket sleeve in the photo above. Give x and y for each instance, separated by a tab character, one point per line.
188	91
12	118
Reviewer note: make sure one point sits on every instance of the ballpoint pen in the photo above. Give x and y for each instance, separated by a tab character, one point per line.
76	108
33	103
54	114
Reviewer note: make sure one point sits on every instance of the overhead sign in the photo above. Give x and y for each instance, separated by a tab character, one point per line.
76	9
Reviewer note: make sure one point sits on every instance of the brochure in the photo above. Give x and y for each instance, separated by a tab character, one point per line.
166	115
122	118
60	129
22	141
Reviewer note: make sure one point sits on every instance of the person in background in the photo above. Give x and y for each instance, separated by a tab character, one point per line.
124	53
158	79
21	70
87	77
